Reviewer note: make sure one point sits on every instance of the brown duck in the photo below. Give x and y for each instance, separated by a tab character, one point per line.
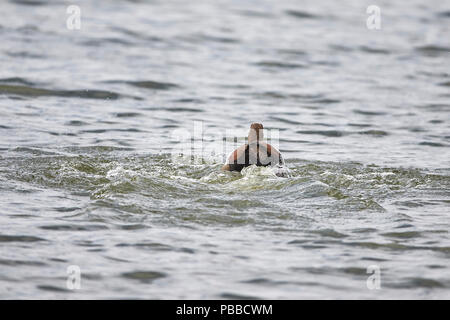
254	152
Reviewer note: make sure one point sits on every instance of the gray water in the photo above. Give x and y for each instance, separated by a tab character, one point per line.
86	140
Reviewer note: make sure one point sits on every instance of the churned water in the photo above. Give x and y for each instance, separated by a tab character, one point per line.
87	179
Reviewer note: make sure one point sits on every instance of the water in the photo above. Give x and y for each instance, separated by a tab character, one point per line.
87	130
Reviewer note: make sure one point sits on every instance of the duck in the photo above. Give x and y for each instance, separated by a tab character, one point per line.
254	152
